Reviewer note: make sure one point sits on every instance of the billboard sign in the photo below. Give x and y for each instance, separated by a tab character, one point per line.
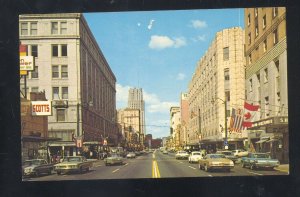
26	63
41	108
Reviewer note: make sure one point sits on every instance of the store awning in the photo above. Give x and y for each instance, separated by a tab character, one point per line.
61	144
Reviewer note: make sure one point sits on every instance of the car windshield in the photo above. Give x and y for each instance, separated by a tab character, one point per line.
182	152
71	159
32	162
196	154
261	156
227	153
114	155
217	156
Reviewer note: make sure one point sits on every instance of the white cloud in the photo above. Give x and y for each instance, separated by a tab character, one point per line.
201	38
180	76
122	95
139	24
150	24
198	24
162	42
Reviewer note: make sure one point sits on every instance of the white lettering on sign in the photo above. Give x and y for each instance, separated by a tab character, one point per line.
26	63
283	120
41	108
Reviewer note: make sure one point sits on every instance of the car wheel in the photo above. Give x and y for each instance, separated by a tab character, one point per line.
88	169
37	173
252	167
243	165
206	168
199	166
58	173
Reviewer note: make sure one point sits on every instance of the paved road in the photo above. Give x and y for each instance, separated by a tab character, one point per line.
152	165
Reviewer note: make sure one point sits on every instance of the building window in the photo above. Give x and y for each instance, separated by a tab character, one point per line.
265	45
24	28
226	75
54	28
250	59
55	71
227	95
226	53
266	75
64	71
267	106
256	12
275	36
256	30
249	21
60	113
277	66
64	51
64	92
63	28
250	85
55	93
275	12
34	89
264	23
34	50
35	73
258	78
33	28
249	38
54	50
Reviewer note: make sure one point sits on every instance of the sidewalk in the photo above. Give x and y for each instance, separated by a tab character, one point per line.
283	168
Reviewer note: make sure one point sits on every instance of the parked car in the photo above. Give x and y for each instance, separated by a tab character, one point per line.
259	160
215	161
195	156
73	164
228	154
114	159
36	167
131	155
240	153
181	155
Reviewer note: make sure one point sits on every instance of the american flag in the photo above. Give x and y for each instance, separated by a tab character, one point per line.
236	121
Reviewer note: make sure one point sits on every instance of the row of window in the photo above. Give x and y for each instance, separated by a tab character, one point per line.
56	50
31	28
274	14
58	72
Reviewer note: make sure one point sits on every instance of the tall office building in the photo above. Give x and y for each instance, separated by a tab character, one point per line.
136	101
73	72
266	79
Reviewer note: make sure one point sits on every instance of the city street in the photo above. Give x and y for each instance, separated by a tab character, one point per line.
151	165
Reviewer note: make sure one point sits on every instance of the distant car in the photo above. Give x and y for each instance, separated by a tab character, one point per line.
114	159
73	164
165	152
181	155
215	161
228	154
240	153
36	167
131	155
259	160
195	156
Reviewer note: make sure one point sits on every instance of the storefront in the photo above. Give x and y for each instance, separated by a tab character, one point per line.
273	137
60	149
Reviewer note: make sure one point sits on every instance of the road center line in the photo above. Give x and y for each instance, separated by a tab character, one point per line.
115	170
255	173
209	175
126	164
192	167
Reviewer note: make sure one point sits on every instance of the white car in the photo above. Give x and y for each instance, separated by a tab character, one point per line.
181	155
195	156
240	153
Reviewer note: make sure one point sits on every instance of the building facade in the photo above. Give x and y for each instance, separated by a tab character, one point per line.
219	77
266	79
73	72
136	101
175	127
184	117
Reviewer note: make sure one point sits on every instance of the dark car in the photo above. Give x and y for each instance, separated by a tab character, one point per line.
36	167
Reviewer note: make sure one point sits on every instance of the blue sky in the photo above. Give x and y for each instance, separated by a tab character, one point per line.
157	51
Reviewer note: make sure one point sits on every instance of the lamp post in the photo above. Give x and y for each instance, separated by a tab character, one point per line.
226	137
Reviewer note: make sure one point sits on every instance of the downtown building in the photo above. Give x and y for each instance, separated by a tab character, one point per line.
175	128
219	77
136	101
74	74
266	79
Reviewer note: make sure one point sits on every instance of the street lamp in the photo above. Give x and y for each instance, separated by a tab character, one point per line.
225	106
